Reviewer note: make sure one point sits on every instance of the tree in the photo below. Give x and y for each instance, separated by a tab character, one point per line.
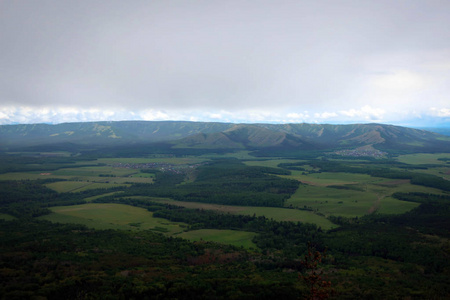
313	275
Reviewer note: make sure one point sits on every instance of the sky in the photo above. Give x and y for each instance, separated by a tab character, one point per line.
320	61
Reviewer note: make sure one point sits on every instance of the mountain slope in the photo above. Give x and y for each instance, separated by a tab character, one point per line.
103	133
209	135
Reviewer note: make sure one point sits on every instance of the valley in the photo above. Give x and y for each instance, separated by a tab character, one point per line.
156	219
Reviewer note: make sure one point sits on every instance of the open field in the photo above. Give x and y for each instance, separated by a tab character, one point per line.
104	174
27	176
273	163
79	186
443	171
112	216
360	194
423	158
386	187
276	213
95	171
351	203
232	237
389	205
89	199
331	201
46	175
125	217
6	217
244	154
328	178
43	154
166	160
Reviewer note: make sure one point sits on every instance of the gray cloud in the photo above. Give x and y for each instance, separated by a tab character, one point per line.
275	56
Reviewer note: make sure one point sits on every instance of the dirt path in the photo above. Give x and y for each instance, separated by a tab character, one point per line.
376	205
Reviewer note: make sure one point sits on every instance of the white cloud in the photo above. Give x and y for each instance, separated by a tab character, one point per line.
154	115
216	116
298	116
440	112
325	115
366	113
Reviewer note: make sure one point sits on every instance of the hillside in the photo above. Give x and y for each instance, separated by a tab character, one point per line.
210	135
102	133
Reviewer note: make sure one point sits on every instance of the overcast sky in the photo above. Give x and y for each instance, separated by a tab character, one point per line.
277	61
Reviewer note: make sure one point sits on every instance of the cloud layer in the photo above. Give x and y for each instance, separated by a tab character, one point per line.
245	61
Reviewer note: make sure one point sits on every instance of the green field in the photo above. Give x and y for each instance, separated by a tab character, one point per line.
244	154
273	163
79	186
86	174
90	199
95	171
423	158
6	217
161	160
361	194
43	154
276	213
328	178
369	198
112	216
391	205
25	176
232	237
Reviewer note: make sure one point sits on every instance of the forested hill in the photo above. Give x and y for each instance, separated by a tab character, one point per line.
182	134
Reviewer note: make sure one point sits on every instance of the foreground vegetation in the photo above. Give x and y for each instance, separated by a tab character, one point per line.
214	226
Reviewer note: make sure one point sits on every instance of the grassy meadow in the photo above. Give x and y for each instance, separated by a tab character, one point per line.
161	160
232	237
79	186
6	217
275	213
328	178
112	216
424	158
320	194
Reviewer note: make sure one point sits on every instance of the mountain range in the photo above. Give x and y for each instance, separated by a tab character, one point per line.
212	135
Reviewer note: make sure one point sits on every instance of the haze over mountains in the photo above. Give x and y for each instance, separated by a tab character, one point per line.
211	135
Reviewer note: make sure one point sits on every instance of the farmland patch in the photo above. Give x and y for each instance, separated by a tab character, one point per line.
233	237
112	216
275	213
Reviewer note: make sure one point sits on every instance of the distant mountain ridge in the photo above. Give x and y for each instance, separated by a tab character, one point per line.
212	135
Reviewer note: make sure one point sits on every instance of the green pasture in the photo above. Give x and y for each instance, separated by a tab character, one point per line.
443	171
161	160
238	154
112	216
364	199
232	237
391	205
7	217
27	176
423	158
388	187
79	186
90	199
288	214
330	178
95	171
276	213
331	201
143	175
273	163
85	174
